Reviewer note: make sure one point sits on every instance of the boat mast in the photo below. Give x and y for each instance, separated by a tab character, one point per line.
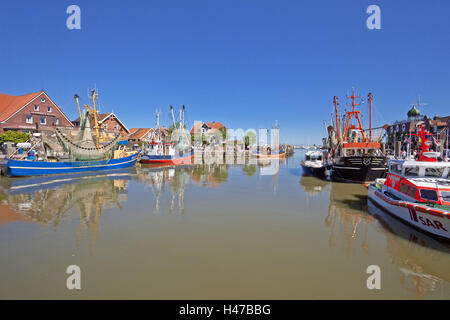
173	117
370	115
94	96
157	126
337	118
354	113
78	104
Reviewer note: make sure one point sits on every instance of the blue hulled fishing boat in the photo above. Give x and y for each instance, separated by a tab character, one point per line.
33	168
63	152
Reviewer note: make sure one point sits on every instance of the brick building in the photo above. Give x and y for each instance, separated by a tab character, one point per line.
400	130
30	113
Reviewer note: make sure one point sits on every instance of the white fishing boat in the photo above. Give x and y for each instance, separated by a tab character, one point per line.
313	164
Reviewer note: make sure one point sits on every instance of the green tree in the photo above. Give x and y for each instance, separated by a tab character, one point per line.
13	136
223	130
249	139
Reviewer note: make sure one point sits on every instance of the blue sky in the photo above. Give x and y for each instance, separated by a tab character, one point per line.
245	63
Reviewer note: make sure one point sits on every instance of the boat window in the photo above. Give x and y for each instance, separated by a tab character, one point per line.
434	172
402	187
408	187
428	194
411	171
395	168
413	192
445	196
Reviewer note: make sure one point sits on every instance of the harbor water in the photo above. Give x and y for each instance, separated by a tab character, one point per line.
246	230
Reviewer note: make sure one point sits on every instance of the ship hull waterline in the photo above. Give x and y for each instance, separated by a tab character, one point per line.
359	169
22	168
166	159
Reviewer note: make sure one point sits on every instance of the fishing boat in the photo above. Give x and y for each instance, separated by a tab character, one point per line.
178	151
355	154
417	191
65	152
275	150
313	165
269	154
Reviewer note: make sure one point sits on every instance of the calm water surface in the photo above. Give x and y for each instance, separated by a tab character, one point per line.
225	231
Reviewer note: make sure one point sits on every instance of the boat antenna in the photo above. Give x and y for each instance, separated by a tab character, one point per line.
76	97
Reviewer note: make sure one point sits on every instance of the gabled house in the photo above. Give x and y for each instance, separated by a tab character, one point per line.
208	132
141	134
109	123
30	113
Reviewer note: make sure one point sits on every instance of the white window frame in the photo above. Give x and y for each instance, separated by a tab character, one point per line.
30	120
56	121
36	107
45	120
49	109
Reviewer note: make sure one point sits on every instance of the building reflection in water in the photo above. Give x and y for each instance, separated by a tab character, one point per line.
422	260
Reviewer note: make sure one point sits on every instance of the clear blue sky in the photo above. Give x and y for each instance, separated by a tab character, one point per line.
245	63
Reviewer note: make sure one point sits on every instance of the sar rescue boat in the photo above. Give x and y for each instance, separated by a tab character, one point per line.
417	191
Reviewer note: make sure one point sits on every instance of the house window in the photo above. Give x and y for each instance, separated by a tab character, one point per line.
49	109
106	126
116	127
36	107
43	120
29	119
404	127
43	100
56	121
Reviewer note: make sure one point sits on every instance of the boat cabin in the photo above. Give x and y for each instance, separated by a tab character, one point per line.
420	181
313	156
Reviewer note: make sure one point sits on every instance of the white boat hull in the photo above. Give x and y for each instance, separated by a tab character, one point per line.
431	220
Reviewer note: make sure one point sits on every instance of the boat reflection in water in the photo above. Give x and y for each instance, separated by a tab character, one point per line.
423	261
312	185
47	200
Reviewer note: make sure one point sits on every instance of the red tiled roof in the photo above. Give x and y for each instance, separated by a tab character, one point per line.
138	133
212	125
10	104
